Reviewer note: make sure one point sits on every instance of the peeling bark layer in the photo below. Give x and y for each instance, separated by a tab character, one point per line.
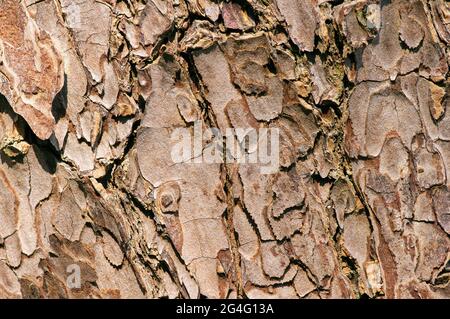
92	92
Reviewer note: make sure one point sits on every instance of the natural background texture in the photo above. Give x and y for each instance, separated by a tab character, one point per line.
91	91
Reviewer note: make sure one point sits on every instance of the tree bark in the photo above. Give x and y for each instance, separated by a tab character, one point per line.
92	203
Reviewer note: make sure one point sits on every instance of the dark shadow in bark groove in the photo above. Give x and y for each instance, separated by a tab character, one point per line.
59	104
45	158
43	152
5	107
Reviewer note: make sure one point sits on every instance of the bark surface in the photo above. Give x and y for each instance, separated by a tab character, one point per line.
92	91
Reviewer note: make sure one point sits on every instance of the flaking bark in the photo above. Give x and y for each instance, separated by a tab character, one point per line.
92	90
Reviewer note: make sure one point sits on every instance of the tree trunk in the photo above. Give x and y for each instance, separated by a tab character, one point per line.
97	198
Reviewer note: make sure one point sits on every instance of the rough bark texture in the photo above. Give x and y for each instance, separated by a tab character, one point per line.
91	91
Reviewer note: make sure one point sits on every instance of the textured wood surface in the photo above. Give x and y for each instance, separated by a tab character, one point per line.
91	91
